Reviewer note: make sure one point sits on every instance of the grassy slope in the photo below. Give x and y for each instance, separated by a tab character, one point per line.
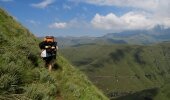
22	75
123	68
75	85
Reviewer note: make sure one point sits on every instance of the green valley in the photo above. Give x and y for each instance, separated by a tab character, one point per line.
134	71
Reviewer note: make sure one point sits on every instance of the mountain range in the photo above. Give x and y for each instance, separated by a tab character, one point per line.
155	35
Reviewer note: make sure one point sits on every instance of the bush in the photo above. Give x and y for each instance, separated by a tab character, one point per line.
41	91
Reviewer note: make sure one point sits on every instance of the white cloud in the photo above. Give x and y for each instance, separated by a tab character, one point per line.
6	0
43	4
128	21
60	25
106	22
144	4
144	14
155	6
74	23
153	12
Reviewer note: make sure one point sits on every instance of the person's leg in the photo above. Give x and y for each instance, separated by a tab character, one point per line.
50	63
46	62
55	54
49	67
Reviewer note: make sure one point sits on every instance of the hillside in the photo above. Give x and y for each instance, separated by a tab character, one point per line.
22	72
130	70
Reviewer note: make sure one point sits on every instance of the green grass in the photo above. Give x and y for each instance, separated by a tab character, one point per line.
123	68
23	75
74	85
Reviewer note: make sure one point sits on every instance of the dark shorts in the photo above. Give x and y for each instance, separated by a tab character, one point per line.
50	59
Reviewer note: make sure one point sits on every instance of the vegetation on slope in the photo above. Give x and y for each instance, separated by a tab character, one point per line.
22	72
123	69
74	85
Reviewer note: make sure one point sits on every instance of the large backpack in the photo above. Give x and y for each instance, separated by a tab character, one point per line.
48	41
49	38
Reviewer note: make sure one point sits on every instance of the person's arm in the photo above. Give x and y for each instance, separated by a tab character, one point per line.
56	45
41	45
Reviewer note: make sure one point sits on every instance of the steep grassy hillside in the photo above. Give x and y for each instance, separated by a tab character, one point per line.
22	72
124	69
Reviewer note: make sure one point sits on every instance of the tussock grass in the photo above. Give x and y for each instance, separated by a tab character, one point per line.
23	75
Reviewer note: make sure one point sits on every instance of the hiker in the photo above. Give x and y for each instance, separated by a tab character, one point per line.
49	51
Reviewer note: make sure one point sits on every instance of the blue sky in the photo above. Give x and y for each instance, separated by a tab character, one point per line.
88	17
